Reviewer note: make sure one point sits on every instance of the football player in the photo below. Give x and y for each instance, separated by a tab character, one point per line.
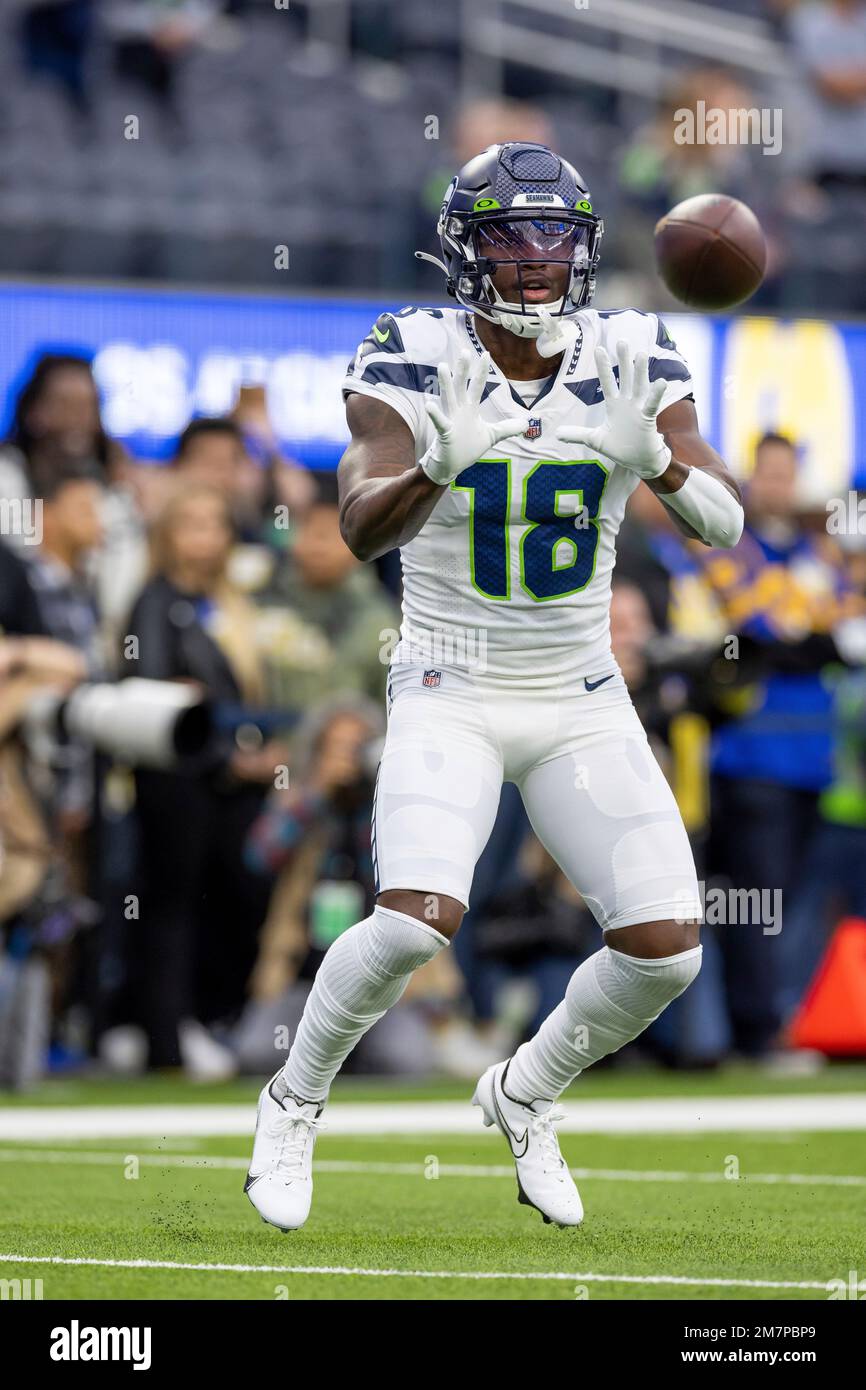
497	443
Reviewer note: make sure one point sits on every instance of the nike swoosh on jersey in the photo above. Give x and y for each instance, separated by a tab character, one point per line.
593	685
382	337
524	1140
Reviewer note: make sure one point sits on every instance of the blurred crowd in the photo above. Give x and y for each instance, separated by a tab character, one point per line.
172	916
171	139
166	916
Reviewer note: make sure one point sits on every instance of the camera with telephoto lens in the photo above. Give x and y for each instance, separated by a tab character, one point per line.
144	723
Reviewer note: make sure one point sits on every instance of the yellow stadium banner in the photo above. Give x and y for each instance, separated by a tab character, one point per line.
790	376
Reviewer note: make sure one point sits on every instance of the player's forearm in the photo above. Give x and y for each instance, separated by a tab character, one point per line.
703	500
707	507
678	425
686	456
380	513
696	487
385	498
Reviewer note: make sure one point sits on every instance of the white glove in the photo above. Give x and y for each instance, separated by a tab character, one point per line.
628	435
557	334
463	436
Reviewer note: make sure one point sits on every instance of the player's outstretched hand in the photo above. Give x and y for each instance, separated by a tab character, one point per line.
629	435
462	436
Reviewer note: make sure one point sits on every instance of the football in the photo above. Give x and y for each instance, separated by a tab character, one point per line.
710	251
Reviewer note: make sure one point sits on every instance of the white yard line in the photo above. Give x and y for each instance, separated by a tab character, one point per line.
118	1159
657	1115
576	1278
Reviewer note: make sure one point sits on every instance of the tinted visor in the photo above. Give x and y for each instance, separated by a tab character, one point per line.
532	239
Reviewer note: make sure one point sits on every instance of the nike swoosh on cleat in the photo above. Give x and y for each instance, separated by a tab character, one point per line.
593	685
524	1140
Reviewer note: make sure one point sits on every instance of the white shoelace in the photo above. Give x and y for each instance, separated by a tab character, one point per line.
294	1147
541	1129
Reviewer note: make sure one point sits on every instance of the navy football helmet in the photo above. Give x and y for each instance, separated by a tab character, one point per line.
526	205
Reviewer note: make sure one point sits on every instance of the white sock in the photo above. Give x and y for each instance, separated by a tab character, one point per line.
362	976
611	998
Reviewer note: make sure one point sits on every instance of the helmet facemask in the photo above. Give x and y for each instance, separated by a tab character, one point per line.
535	240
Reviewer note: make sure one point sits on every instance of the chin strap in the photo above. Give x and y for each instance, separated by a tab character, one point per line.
519	325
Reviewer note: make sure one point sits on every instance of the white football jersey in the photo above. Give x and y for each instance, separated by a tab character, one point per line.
510	575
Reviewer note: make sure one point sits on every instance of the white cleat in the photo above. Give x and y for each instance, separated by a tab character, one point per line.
280	1180
543	1179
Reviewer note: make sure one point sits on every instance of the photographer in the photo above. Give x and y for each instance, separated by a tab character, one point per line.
34	920
201	908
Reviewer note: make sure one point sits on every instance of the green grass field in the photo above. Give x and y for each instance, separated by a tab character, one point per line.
659	1208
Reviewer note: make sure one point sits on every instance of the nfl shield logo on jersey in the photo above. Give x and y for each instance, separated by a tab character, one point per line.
534	428
431	678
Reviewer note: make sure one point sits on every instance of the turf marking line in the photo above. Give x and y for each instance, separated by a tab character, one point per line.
118	1159
667	1279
